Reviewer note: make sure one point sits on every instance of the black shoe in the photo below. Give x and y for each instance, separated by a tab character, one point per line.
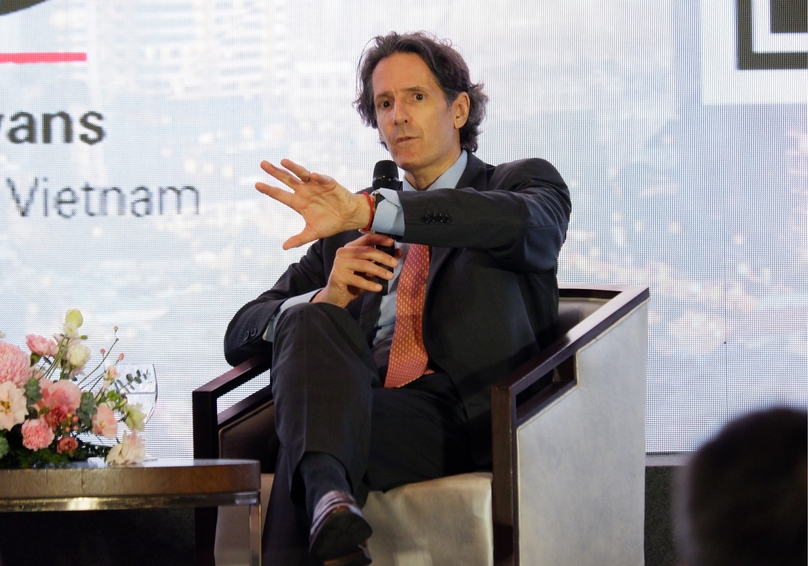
339	531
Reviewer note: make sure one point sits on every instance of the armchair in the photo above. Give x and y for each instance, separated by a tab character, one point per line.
568	455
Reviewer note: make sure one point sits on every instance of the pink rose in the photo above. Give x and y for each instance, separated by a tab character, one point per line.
55	416
104	422
15	365
60	393
36	434
41	345
67	444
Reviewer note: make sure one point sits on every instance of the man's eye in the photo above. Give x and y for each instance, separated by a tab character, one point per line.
384	104
419	96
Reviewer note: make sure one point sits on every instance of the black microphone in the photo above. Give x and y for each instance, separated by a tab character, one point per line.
385	176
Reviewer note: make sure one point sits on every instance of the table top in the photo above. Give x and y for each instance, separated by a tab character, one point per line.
158	483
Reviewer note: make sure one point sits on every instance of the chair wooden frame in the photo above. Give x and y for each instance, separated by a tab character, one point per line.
514	400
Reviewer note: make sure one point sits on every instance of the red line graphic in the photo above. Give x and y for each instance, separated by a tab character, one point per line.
26	58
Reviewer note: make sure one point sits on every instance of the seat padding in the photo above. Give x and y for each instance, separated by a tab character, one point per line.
442	522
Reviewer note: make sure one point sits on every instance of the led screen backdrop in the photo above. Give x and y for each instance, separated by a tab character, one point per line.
131	133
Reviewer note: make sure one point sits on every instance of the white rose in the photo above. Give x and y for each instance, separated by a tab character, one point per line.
78	355
130	450
13	405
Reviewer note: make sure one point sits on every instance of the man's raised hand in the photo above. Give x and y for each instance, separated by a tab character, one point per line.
327	207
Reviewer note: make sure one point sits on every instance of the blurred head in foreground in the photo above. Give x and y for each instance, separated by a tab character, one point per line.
741	500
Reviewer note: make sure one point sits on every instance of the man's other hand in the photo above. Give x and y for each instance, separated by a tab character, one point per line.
355	268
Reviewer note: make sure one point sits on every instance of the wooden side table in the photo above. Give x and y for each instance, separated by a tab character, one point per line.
153	484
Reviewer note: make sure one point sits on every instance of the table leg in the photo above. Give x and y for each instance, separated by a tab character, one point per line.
255	534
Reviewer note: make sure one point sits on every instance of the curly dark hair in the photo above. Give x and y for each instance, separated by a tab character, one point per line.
445	63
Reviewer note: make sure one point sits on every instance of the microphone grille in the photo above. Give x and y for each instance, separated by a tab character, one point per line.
385	169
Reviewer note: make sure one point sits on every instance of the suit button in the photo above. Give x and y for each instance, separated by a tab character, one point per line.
253	332
246	336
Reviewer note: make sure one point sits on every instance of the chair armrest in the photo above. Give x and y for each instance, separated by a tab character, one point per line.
537	384
206	424
206	417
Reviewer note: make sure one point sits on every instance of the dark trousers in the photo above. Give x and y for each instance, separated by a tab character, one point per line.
329	398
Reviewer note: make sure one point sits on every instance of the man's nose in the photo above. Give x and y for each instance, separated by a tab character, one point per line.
400	114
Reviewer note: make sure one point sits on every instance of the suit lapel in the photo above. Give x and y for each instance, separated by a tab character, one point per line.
473	176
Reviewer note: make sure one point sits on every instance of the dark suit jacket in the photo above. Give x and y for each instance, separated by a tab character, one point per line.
492	291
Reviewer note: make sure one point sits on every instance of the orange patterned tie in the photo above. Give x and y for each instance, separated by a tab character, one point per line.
408	357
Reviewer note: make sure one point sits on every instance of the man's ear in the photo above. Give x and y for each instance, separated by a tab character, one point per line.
460	110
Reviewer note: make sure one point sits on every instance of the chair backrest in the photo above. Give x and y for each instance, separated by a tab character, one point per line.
572	310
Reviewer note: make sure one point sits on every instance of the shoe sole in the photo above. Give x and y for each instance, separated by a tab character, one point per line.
339	538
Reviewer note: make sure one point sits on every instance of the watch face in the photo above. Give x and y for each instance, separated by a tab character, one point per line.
8	6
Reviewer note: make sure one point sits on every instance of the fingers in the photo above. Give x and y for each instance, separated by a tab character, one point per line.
327	207
365	259
298	175
357	265
355	270
280	195
359	284
298	240
302	173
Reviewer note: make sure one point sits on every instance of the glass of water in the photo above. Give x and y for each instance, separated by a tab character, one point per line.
140	386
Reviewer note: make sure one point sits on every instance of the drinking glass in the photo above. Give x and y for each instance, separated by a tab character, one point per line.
140	386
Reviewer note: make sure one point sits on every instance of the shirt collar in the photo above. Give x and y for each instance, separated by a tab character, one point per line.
449	178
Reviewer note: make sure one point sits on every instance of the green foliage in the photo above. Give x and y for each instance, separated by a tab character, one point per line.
4	447
87	409
32	390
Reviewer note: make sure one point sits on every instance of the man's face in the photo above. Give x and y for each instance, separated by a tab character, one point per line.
420	129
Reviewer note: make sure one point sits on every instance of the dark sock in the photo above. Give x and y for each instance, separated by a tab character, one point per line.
321	473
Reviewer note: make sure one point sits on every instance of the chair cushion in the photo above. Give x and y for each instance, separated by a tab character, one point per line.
442	522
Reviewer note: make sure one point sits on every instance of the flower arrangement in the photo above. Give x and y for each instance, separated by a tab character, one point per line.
49	404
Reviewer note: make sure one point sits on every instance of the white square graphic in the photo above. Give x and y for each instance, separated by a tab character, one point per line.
722	82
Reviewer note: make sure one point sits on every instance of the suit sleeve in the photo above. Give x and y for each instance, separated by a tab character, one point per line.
244	336
519	214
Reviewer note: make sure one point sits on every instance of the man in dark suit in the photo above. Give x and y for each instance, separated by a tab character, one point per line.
376	391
